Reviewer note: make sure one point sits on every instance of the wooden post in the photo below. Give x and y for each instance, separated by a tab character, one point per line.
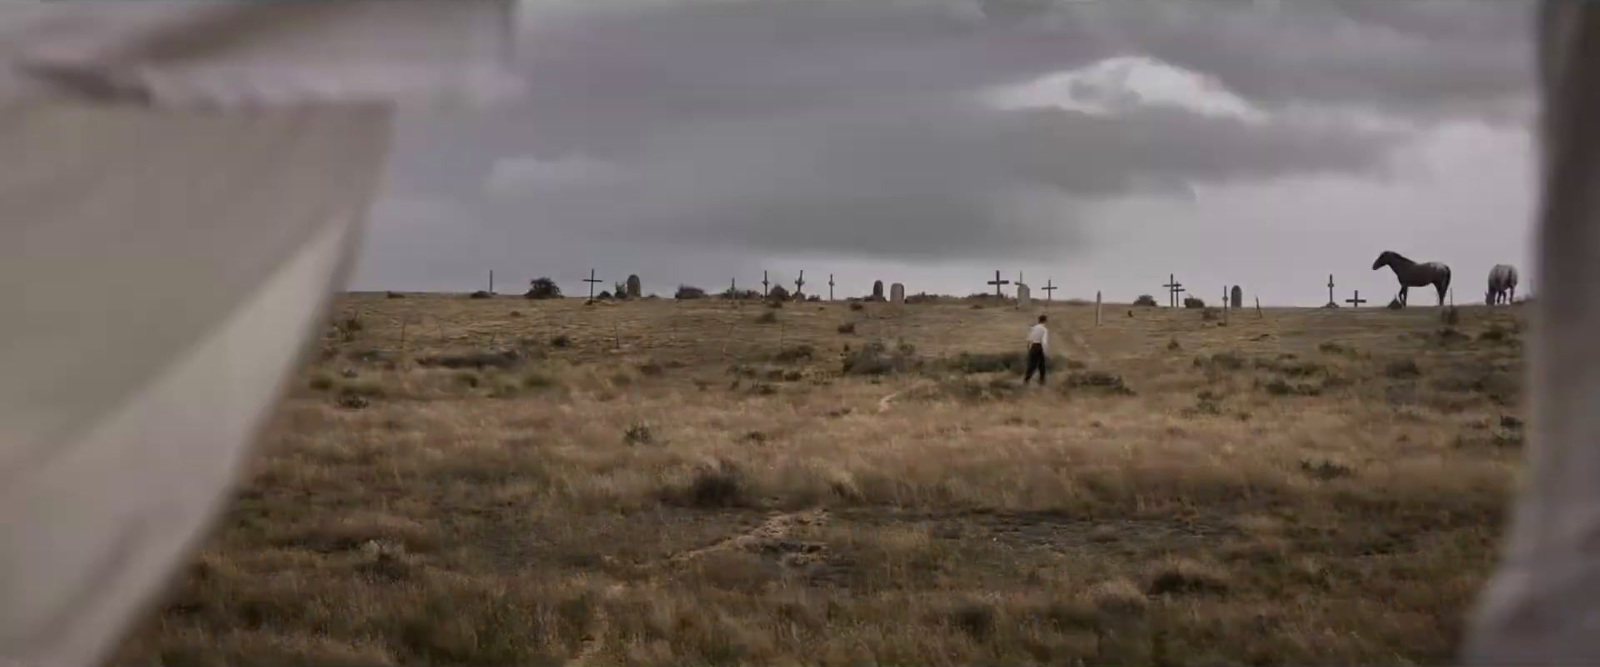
491	281
1224	304
1258	308
616	336
1097	308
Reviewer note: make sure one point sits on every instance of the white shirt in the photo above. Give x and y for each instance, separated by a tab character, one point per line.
1039	334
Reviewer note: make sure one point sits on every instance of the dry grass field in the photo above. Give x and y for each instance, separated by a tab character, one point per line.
504	481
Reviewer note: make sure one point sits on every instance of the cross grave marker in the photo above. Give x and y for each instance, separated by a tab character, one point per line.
1174	288
997	282
592	281
1356	301
1049	291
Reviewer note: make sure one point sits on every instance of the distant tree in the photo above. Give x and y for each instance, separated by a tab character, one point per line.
777	293
1193	302
1145	300
687	292
543	288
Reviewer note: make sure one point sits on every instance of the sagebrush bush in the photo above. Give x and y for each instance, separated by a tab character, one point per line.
543	288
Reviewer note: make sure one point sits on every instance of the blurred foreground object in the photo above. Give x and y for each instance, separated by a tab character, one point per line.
184	188
1543	605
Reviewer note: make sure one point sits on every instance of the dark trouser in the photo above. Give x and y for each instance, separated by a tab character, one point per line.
1035	363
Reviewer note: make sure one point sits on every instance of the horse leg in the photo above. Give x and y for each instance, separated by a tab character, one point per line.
1512	296
1403	292
1441	289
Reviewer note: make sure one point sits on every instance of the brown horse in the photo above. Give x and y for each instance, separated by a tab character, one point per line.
1413	274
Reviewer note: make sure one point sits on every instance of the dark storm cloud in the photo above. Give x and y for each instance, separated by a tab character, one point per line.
850	126
1426	58
929	181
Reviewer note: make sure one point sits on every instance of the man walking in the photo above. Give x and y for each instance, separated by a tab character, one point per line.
1038	346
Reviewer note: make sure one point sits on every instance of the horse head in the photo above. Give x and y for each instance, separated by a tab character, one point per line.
1383	260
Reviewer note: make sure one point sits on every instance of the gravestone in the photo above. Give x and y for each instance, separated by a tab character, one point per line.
1024	299
634	289
897	293
877	290
1237	297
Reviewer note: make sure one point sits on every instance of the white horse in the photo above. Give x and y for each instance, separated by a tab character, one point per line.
1502	284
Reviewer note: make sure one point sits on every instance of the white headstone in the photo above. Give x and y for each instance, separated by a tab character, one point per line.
1024	299
897	293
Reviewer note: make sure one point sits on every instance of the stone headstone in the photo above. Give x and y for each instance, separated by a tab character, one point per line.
1024	298
897	293
877	290
634	289
1237	297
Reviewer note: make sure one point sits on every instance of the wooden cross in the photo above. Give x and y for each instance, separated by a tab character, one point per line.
1330	290
764	283
799	282
830	287
1173	289
733	288
997	282
1356	301
1049	290
591	280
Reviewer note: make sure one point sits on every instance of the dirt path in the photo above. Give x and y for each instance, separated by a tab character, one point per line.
771	534
771	537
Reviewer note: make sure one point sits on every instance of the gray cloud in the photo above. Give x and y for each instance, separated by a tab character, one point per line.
931	181
850	127
1426	58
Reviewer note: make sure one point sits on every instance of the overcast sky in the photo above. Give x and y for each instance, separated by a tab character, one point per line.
931	142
